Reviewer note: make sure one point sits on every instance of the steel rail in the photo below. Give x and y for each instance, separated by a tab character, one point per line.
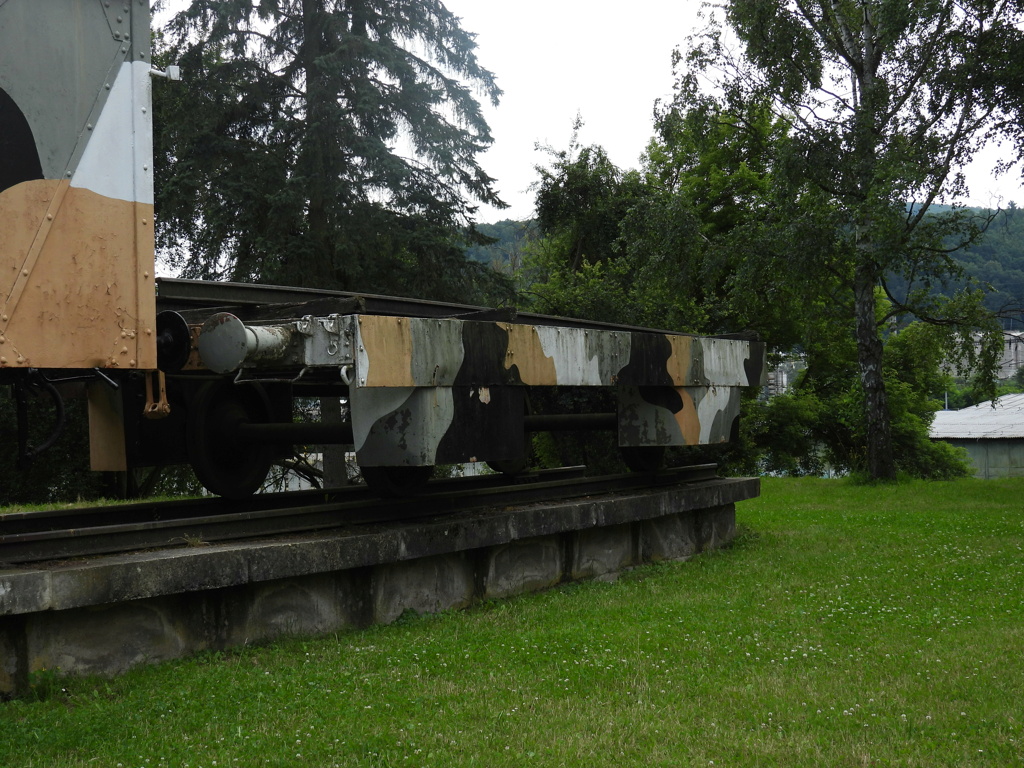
27	537
183	295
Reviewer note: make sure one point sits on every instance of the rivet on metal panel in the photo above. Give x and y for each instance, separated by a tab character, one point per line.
3	361
5	318
3	340
88	127
117	35
144	223
124	350
362	382
49	217
143	110
131	363
120	19
24	272
124	334
21	360
149	331
145	274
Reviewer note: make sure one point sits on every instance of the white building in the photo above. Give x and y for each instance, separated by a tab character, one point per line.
992	434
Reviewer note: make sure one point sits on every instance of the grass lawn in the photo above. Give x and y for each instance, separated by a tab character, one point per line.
848	626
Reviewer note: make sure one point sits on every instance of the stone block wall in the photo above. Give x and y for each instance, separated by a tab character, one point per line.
253	604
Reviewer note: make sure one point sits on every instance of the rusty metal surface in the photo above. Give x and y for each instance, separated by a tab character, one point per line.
76	241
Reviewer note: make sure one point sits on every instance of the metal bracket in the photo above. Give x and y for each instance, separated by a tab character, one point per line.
173	72
156	409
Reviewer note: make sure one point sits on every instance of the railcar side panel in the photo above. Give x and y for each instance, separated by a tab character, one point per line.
76	186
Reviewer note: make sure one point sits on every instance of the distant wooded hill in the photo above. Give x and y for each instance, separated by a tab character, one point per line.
997	261
510	236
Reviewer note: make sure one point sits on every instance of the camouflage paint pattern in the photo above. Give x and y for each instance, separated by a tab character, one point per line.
435	391
419	352
418	383
76	187
77	278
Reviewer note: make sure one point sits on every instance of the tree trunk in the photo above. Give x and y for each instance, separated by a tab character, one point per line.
869	357
316	140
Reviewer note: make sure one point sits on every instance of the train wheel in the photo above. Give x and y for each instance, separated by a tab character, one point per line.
645	458
509	467
224	464
396	481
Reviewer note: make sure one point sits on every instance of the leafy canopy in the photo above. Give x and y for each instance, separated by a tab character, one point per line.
886	102
330	143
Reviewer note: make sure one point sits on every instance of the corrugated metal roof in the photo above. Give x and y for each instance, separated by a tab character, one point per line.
982	421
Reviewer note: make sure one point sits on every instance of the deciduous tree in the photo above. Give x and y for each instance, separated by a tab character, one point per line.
887	102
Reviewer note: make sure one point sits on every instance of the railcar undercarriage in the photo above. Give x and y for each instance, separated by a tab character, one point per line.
206	373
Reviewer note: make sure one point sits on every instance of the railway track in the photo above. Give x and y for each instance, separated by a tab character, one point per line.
48	535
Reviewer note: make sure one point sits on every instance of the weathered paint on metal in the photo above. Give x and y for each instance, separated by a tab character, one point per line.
414	426
430	390
416	352
76	240
680	416
76	283
438	390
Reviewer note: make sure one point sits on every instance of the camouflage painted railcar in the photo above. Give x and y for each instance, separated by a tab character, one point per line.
214	388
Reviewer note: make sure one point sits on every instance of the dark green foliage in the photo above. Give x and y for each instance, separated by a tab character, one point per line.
717	239
597	451
582	198
997	261
590	214
883	101
326	143
61	474
507	239
818	425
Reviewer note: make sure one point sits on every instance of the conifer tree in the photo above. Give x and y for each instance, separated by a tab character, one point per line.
326	143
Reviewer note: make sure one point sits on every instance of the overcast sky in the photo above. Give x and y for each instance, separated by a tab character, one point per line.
556	58
608	63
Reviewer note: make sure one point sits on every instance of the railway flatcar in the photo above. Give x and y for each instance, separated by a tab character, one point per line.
205	373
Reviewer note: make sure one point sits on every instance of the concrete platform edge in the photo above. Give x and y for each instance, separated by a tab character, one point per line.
108	614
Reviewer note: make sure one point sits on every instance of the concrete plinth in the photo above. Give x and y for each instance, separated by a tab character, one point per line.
107	614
